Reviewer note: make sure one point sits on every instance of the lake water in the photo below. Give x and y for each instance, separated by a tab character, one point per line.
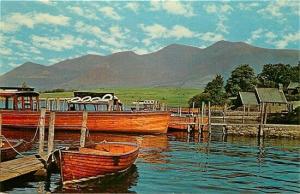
182	163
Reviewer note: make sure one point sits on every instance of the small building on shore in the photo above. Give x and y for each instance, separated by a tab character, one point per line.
272	98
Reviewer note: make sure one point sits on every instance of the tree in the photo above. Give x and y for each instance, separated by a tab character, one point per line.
213	92
24	85
274	74
242	79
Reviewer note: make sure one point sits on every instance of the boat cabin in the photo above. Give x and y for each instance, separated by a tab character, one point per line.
97	101
19	98
146	105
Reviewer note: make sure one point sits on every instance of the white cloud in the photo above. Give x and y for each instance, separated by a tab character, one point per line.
86	13
56	43
157	31
110	12
221	11
289	38
17	20
173	7
247	6
133	6
114	37
47	2
280	9
211	37
5	51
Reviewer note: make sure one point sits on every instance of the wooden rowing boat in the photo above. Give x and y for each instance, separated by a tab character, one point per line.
117	121
9	149
97	160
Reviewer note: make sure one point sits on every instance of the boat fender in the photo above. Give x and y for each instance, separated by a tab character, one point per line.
96	99
86	99
76	99
107	97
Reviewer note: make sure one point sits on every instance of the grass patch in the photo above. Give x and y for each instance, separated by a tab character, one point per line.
170	96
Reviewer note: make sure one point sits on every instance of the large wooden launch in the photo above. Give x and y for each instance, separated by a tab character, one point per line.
22	110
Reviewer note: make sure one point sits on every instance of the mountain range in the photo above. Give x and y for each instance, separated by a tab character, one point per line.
175	65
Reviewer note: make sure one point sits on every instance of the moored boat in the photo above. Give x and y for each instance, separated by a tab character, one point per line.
9	148
97	160
22	111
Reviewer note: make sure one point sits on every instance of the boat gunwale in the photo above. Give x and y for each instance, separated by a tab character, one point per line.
18	143
136	148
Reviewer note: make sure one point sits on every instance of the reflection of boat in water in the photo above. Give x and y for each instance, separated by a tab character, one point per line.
118	183
22	110
180	123
188	137
11	147
96	160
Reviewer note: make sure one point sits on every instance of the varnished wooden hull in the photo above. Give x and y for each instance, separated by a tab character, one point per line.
127	122
9	153
76	166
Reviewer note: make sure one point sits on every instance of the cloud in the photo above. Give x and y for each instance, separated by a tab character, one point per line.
47	2
211	37
86	13
279	9
5	51
157	31
221	11
110	12
173	7
17	20
289	38
114	37
56	43
133	6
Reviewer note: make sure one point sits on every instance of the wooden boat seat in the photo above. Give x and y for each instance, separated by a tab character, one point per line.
92	151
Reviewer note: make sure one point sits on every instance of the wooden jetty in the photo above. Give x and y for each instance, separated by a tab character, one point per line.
18	167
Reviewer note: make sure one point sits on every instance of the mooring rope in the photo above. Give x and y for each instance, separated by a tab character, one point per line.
2	136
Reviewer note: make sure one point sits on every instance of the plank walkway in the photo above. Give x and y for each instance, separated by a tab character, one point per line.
18	167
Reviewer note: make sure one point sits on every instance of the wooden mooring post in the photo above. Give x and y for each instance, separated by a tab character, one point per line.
209	118
0	134
202	115
51	133
42	131
83	129
261	126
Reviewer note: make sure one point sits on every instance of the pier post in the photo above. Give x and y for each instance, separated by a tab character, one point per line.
180	111
202	115
83	128
42	131
261	126
209	118
0	134
58	104
51	133
244	110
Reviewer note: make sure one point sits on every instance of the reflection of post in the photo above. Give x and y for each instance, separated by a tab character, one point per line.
202	115
83	129
42	131
51	133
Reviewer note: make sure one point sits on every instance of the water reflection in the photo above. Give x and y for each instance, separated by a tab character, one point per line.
182	162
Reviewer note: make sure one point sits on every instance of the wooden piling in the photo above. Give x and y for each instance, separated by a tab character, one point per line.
0	134
42	131
51	133
260	129
83	128
244	110
202	115
209	118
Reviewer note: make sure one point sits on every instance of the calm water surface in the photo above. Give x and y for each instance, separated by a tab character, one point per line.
182	163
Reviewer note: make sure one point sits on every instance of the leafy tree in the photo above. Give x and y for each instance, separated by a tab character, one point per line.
242	79
213	92
274	74
24	85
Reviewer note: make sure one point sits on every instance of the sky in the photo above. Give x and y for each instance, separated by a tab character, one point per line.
46	32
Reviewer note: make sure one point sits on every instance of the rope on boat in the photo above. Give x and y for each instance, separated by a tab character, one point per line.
2	136
36	130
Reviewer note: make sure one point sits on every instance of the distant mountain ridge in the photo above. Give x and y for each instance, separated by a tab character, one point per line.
174	65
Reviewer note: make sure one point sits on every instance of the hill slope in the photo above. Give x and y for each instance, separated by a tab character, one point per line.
174	65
